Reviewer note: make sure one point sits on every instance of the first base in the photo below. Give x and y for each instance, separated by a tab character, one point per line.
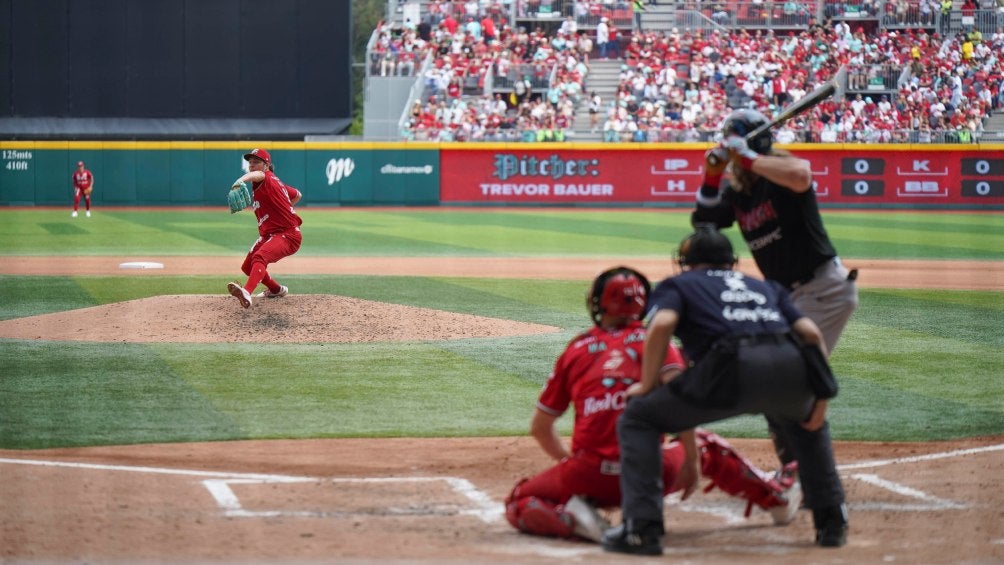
141	265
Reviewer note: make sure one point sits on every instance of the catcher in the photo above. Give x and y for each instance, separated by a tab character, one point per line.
593	374
278	224
83	185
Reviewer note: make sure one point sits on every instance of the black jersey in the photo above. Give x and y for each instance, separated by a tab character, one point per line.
783	229
713	303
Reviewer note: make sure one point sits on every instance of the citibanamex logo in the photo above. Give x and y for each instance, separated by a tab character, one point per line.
338	169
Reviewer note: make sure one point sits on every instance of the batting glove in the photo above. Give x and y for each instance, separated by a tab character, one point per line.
737	145
715	160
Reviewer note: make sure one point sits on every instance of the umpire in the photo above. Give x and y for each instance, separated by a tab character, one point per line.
750	352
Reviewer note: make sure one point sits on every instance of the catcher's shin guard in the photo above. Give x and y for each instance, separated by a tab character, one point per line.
737	476
533	515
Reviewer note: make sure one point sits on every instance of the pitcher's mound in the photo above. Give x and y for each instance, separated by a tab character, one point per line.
309	318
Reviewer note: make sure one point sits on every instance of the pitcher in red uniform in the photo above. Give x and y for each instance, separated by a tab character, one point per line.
278	227
592	375
83	185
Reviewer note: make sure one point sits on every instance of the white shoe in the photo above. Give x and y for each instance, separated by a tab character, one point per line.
74	214
783	515
88	213
242	295
588	522
283	291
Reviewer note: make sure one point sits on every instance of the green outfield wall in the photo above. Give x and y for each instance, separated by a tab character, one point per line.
200	173
185	173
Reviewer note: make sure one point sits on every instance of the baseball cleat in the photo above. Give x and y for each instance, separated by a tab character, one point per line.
588	522
74	214
240	293
831	526
283	291
88	213
787	478
632	539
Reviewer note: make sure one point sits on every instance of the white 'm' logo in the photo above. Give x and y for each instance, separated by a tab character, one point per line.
338	169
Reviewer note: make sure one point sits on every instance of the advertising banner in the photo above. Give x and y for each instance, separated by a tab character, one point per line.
372	176
673	176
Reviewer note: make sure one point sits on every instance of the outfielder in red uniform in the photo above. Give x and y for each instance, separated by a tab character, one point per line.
83	185
278	227
592	374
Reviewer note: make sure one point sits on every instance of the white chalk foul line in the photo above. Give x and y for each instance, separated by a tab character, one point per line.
927	502
915	459
156	470
931	502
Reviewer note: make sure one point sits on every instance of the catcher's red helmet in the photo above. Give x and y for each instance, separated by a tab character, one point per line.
621	291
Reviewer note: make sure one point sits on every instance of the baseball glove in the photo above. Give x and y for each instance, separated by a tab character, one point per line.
239	197
87	191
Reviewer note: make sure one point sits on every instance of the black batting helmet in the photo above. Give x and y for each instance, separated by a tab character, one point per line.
742	122
706	245
621	291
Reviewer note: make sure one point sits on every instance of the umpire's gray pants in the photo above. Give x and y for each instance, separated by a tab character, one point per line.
772	382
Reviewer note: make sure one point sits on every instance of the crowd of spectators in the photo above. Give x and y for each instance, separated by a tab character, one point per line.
905	85
487	81
679	86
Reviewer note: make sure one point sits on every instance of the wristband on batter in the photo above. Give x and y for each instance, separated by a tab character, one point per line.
711	184
746	160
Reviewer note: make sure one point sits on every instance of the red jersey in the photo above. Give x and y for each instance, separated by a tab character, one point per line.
273	205
594	372
82	179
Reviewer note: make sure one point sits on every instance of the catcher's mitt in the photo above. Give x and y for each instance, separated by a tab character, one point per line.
239	197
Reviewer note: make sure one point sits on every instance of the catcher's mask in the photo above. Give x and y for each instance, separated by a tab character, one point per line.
706	245
621	291
742	122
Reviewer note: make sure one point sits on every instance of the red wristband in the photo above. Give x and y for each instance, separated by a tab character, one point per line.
713	180
747	161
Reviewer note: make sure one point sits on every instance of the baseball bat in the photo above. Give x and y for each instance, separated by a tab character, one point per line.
797	107
801	105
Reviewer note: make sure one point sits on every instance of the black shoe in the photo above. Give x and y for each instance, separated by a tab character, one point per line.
634	537
831	526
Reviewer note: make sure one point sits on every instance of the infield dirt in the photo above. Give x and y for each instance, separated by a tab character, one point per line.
439	500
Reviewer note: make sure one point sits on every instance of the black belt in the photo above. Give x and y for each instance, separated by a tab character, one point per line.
758	339
802	280
851	276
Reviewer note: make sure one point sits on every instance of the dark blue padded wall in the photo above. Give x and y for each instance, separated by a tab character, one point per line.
194	59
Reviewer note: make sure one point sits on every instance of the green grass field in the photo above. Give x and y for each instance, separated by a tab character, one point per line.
913	364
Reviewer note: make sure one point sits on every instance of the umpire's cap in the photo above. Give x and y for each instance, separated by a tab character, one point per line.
706	245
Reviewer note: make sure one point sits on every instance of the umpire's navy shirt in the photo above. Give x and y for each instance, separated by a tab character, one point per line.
713	303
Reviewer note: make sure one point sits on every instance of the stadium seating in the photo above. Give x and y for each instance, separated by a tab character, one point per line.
905	81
